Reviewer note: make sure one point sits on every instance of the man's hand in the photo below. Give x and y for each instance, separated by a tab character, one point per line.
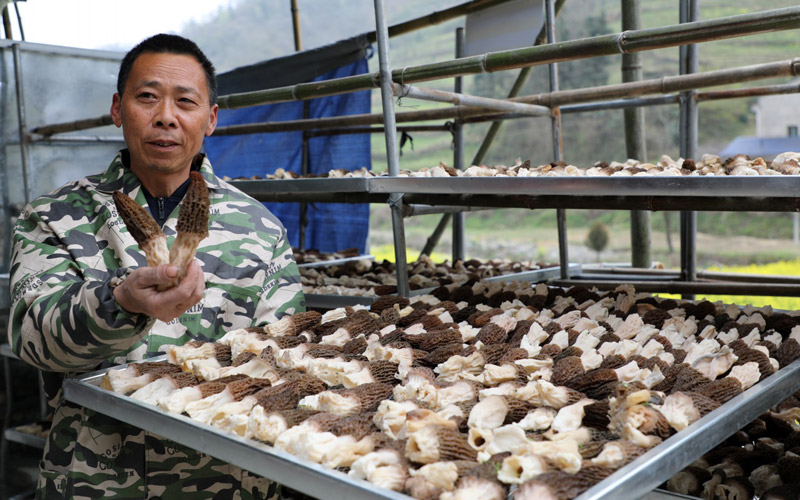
138	294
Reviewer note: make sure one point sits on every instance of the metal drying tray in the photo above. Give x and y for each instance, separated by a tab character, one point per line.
660	463
322	189
631	482
336	262
782	186
304	476
729	193
321	184
328	301
19	436
534	276
667	495
706	193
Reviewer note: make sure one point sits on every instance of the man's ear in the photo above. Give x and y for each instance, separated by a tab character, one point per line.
212	123
116	109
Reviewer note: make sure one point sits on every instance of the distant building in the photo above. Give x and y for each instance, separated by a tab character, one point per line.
776	115
777	124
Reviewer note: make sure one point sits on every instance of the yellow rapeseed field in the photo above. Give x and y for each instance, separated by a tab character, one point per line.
782	268
386	252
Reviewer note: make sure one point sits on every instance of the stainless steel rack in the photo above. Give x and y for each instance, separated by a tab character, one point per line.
630	193
779	193
259	458
328	301
632	481
335	262
760	187
535	276
17	435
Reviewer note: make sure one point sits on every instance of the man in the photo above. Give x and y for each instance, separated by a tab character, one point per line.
82	295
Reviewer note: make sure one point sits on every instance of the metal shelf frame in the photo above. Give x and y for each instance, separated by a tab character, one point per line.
336	262
768	193
327	301
630	482
259	458
660	463
685	35
17	436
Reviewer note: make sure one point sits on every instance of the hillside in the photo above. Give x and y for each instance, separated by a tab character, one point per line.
253	31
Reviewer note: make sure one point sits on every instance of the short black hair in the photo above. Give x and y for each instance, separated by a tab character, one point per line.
169	44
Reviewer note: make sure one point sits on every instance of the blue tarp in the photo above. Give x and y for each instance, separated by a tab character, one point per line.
331	226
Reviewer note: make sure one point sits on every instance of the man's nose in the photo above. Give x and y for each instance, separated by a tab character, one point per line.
165	114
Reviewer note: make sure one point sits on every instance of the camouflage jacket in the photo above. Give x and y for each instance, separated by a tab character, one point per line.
70	248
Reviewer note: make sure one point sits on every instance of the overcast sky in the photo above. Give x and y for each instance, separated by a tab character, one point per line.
106	24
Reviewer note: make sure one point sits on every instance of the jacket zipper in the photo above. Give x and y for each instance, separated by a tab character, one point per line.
161	214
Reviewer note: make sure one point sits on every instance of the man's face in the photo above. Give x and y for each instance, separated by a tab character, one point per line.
164	112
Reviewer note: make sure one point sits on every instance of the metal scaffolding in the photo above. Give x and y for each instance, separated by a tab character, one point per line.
631	94
647	472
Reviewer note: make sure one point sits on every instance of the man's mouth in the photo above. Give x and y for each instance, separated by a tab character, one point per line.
163	143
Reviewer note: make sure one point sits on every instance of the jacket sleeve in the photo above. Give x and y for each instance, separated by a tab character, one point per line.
282	292
62	320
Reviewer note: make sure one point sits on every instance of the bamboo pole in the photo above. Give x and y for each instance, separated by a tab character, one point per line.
625	91
615	43
632	40
426	94
298	44
717	95
7	23
633	102
378	130
668	84
714	95
785	68
73	126
398	29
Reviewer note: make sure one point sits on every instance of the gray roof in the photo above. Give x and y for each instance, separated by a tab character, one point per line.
765	147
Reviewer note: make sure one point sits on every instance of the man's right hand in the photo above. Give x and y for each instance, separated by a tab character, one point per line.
138	294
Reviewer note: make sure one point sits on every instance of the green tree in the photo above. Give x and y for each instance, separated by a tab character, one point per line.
586	72
597	238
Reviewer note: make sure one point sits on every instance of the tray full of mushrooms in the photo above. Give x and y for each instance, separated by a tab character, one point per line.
485	390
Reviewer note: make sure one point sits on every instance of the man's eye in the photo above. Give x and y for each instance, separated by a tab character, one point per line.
146	95
186	100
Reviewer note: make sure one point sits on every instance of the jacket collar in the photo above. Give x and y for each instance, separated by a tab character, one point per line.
118	176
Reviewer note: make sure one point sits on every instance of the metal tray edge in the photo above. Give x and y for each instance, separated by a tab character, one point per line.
259	458
767	186
320	184
335	262
647	472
